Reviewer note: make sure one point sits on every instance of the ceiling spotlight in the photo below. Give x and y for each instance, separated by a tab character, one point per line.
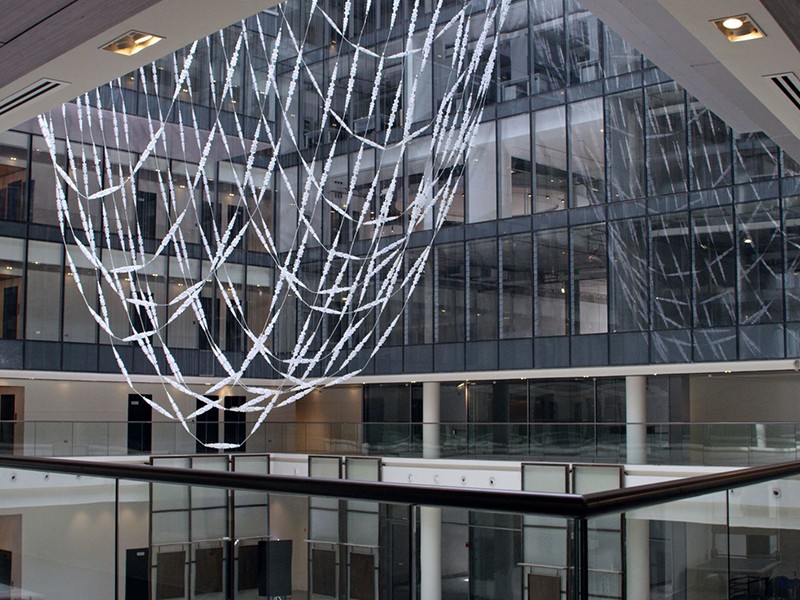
132	42
733	23
738	28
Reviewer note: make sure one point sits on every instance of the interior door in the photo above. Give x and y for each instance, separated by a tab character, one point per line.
140	426
136	571
7	417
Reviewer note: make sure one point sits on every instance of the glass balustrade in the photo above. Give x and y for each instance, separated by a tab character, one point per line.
701	444
79	535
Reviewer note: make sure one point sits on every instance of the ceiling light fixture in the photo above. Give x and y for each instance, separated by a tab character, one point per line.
132	42
732	23
739	28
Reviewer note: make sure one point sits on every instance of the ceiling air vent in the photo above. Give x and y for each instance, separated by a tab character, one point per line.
789	84
29	94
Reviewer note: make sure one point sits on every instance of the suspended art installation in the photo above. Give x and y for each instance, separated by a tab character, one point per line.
112	246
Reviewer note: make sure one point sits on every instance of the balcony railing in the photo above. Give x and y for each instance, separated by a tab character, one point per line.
72	530
701	444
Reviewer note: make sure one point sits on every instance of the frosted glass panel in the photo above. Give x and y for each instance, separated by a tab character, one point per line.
170	528
209	524
544	478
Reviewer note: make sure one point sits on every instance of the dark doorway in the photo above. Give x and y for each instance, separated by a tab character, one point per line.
5	572
136	570
7	417
207	427
234	429
10	316
140	426
397	583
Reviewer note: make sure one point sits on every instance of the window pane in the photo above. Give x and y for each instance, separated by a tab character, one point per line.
390	192
517	286
44	291
515	166
260	209
419	312
450	309
482	176
791	227
393	308
760	293
362	203
482	289
620	56
419	77
562	401
12	264
626	145
259	296
43	181
552	265
79	324
666	139
548	43
232	277
710	141
590	279
512	53
610	403
450	182
756	157
715	268
627	260
183	329
551	160
584	33
586	152
287	207
13	176
88	177
152	193
420	179
671	271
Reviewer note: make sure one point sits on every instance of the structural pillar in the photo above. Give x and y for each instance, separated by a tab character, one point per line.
636	419
430	518
430	552
637	531
431	409
637	558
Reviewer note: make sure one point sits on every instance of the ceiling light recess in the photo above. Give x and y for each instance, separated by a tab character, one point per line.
738	28
132	42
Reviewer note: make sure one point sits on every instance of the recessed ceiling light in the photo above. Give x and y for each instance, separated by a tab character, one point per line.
132	42
738	28
732	23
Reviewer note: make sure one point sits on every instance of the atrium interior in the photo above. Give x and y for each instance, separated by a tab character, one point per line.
603	293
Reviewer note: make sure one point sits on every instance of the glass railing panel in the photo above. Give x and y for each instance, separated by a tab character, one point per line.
674	550
727	444
773	443
90	439
709	444
56	535
117	439
53	438
761	547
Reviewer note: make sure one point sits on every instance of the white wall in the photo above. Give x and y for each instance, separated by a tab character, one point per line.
745	398
288	518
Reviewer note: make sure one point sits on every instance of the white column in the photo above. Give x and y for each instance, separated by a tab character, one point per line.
430	552
636	419
431	406
637	553
430	519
